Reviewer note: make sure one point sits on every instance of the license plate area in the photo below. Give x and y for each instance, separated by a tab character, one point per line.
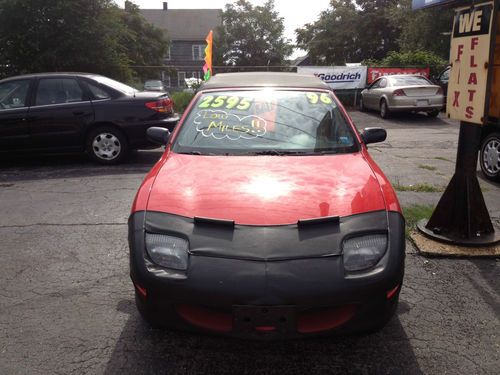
422	103
264	319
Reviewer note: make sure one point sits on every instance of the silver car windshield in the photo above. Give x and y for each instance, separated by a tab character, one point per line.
266	122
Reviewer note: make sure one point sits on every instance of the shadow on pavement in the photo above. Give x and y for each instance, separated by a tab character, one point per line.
36	167
142	350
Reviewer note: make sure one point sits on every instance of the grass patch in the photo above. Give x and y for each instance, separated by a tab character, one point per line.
442	158
428	167
413	214
419	188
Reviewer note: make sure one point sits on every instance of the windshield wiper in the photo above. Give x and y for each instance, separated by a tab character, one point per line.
277	152
196	153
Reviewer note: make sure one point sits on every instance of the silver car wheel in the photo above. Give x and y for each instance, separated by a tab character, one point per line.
491	157
106	146
383	109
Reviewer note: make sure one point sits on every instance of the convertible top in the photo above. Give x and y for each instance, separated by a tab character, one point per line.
264	79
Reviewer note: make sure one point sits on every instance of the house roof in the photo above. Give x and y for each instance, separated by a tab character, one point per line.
264	79
184	24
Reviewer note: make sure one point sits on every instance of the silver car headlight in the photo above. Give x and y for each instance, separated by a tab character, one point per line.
168	251
363	252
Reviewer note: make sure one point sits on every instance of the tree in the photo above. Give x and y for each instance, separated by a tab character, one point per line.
349	31
333	38
81	35
356	30
251	36
144	44
427	29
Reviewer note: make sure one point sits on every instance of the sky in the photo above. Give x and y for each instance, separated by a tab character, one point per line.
295	14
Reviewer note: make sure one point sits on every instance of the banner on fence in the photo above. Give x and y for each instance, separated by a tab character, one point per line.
338	77
374	73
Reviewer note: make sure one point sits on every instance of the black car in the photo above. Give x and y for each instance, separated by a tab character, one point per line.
65	112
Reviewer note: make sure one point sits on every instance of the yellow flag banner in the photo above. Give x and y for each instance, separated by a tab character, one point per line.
207	68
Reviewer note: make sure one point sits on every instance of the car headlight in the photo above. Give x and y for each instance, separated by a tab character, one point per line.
168	251
363	252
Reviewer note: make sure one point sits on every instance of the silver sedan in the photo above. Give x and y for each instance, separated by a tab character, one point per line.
403	93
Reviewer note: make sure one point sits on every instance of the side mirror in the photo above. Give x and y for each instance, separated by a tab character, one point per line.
158	135
373	135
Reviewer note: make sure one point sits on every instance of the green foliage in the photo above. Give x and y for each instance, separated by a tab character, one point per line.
181	100
80	35
144	43
427	29
357	30
250	36
419	188
411	59
413	214
349	31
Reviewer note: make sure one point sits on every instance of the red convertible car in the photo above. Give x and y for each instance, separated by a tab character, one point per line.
266	217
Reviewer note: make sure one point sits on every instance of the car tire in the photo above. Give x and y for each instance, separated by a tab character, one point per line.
434	113
384	109
362	107
489	157
107	145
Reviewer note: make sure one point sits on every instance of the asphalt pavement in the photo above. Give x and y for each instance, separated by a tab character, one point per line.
66	300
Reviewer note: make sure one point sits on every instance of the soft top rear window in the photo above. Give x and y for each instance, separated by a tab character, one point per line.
266	122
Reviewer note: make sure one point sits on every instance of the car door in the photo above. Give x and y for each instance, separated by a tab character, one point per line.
60	114
14	129
369	94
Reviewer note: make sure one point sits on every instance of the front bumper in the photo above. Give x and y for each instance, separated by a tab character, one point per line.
314	295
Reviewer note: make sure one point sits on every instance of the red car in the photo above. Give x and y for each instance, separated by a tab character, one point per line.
266	217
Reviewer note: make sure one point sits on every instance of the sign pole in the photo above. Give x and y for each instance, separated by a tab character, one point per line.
461	216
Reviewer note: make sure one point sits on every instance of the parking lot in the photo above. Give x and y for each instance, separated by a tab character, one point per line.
67	303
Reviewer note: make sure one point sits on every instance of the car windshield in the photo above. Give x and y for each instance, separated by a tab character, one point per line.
265	122
410	81
115	84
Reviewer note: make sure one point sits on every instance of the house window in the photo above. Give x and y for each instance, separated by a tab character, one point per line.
198	51
167	55
181	76
165	78
195	75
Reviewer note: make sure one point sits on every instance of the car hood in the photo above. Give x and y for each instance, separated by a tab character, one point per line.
265	190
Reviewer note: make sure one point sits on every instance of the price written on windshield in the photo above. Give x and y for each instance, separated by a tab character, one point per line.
227	102
322	98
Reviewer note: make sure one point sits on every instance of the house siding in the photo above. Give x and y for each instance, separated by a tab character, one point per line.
185	27
181	60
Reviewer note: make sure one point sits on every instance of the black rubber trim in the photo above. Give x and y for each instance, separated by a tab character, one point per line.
265	243
306	283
